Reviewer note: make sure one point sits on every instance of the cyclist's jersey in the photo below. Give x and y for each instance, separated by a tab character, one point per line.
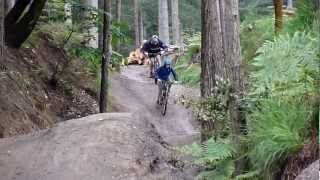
153	49
163	73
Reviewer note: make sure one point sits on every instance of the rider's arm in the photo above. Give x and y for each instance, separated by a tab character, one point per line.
174	74
162	45
145	48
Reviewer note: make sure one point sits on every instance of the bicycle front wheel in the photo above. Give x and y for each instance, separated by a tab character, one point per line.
165	104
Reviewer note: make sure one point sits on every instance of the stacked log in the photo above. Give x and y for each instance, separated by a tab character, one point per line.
136	57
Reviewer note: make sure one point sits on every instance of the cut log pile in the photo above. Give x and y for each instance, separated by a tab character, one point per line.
137	57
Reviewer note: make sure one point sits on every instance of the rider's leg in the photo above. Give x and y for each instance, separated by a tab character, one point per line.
151	67
159	59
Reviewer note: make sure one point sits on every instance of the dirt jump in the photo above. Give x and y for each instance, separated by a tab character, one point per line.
131	144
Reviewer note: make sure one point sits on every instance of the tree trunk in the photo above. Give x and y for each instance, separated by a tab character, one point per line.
76	13
68	13
232	51
136	24
221	58
317	4
119	11
2	16
278	15
164	21
141	26
175	22
100	28
289	4
212	58
93	29
105	57
15	13
19	25
8	5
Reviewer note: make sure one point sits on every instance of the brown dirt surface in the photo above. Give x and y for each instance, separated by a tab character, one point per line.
102	146
134	144
306	156
39	86
310	173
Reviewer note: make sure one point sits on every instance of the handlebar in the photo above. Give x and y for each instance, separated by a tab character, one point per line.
162	52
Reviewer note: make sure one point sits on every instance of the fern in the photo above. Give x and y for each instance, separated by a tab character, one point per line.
252	175
216	156
276	129
286	66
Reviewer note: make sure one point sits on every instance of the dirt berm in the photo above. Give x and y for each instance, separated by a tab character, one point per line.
102	146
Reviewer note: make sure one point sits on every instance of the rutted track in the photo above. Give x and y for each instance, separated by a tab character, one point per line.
137	93
127	145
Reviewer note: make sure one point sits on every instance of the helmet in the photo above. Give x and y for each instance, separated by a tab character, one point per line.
154	40
167	61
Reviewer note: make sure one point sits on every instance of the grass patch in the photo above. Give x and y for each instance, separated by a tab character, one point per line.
189	73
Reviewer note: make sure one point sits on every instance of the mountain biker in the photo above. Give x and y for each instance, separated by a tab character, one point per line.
153	48
162	75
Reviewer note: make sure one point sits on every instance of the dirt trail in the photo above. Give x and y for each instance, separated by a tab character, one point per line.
137	94
105	146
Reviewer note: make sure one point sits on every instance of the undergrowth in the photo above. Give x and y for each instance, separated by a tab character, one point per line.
188	65
69	38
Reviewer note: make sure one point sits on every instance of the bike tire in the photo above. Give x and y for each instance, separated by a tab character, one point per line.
165	102
164	107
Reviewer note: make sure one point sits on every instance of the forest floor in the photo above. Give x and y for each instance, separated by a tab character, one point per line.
135	143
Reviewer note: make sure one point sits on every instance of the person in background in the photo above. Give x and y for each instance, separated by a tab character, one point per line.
153	48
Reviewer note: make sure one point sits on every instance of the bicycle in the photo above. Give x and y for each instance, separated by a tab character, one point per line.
165	90
155	61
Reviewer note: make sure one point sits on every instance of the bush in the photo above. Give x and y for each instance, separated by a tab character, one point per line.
73	42
288	66
188	71
303	18
253	34
215	157
276	129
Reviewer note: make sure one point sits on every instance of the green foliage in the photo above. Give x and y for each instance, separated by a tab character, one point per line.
215	110
286	73
90	55
255	9
121	37
276	129
73	42
288	66
192	40
187	66
54	11
93	58
303	18
253	34
216	157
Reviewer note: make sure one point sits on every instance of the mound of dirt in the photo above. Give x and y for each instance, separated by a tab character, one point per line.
40	86
310	173
102	146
